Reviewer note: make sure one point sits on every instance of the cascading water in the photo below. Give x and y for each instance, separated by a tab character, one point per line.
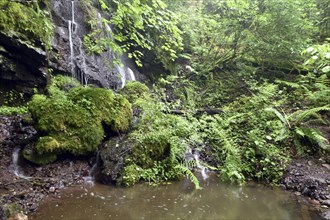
72	26
126	73
200	167
89	180
15	167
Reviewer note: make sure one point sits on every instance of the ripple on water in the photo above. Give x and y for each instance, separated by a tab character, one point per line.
215	201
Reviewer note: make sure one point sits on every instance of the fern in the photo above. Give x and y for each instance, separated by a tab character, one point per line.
283	117
190	175
306	113
315	136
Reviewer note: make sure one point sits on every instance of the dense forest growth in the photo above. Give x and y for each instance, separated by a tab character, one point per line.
262	66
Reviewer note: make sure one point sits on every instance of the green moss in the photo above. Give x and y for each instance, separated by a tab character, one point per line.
32	155
113	110
134	90
26	19
11	209
73	119
9	110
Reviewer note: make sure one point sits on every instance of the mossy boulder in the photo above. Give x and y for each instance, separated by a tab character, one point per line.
135	90
73	121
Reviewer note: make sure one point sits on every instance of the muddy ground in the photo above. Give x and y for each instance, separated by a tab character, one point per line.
308	179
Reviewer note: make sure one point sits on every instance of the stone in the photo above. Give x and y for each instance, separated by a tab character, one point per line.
326	202
20	216
326	166
314	202
52	189
326	215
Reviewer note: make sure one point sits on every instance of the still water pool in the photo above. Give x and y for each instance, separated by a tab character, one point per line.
178	200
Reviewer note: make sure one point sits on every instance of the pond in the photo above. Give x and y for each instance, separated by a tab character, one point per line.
178	200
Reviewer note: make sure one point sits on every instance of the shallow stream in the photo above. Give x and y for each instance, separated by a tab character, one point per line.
178	200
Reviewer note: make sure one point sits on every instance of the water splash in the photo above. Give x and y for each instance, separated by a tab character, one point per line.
200	167
90	179
15	167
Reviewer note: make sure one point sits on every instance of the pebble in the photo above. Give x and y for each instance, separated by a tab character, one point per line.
326	202
52	189
314	202
326	166
297	193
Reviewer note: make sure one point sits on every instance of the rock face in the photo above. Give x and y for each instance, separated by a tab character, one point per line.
112	155
71	25
24	65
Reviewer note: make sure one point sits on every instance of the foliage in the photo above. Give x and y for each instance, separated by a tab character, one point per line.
318	59
141	25
160	144
293	125
269	33
26	18
9	110
72	121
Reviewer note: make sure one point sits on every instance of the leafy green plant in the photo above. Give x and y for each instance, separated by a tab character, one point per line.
293	126
9	110
318	59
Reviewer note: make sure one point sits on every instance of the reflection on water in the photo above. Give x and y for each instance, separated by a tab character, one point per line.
175	201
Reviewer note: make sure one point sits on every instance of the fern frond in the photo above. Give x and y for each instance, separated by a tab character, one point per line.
282	117
323	80
289	84
189	175
304	114
315	136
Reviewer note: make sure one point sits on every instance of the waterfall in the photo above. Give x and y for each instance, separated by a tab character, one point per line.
199	166
71	47
72	26
15	167
126	73
89	180
131	76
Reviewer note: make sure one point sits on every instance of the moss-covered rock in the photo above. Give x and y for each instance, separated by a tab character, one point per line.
31	154
73	120
134	90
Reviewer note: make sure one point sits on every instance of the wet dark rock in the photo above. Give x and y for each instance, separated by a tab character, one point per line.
22	64
25	65
112	155
87	68
309	178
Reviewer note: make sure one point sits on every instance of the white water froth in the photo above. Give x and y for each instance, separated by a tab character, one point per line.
15	168
200	167
90	179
